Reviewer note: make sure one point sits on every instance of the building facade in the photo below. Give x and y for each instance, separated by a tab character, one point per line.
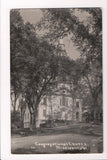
58	105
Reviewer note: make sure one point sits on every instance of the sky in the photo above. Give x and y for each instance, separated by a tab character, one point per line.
34	15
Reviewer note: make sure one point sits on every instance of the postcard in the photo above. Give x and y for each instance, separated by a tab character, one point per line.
55	74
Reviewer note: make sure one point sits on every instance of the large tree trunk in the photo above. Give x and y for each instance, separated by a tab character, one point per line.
34	118
14	103
22	118
95	109
31	122
33	105
36	115
31	116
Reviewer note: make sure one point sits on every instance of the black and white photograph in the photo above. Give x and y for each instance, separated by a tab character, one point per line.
56	80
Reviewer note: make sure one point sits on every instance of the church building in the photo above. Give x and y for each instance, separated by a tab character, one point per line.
58	105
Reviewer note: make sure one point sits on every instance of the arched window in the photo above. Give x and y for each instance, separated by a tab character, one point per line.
67	102
44	101
44	112
64	101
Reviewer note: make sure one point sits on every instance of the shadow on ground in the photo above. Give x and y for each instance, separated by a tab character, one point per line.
84	129
30	151
80	129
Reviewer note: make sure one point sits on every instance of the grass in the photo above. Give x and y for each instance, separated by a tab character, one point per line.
81	128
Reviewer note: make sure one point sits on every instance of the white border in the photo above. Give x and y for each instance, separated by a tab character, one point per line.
5	74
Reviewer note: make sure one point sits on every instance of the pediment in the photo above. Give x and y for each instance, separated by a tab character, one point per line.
62	90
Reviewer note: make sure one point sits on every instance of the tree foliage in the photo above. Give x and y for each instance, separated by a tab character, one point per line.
34	62
37	61
87	37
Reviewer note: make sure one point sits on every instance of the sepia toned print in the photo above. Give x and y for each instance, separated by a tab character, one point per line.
56	81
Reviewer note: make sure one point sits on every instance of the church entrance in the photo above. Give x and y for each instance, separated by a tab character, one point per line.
77	116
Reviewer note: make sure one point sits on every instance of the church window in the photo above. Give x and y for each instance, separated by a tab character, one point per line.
44	101
25	115
60	102
44	112
63	101
66	101
77	104
28	115
63	91
77	115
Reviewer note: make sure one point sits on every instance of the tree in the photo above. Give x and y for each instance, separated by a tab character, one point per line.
15	120
39	77
87	36
16	25
34	63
